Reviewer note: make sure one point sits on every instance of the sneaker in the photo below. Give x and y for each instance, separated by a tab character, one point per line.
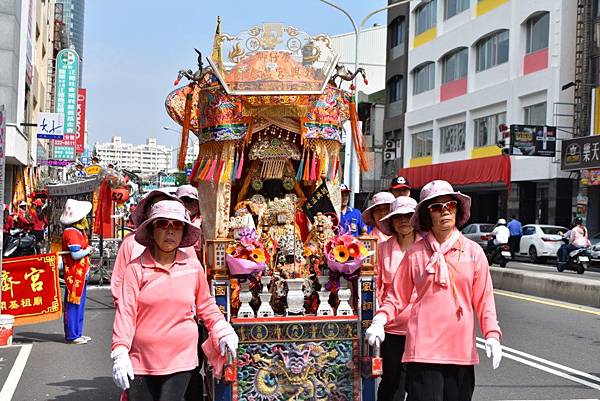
88	339
77	341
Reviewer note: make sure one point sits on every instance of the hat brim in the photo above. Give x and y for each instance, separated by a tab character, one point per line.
386	225
137	217
367	215
464	202
86	208
191	233
400	186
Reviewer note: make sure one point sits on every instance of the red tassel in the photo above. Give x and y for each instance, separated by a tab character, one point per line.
217	177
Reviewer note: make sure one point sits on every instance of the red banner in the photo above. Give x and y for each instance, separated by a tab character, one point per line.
30	288
80	120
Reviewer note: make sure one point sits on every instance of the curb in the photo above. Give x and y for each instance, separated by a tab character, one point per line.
580	291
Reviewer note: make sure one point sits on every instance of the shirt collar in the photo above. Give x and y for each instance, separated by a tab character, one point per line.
148	261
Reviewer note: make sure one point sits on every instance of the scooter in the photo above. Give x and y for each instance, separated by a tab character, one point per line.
20	243
578	261
500	255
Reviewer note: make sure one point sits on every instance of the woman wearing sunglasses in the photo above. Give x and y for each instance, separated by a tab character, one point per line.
397	226
373	214
451	278
154	332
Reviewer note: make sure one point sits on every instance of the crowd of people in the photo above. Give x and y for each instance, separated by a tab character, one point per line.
30	218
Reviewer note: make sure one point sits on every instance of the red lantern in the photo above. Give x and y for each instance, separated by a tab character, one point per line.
120	195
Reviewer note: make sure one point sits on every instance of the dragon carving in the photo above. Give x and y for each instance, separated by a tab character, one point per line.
194	76
342	72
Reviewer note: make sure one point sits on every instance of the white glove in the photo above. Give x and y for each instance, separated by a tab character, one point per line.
493	350
376	331
231	342
122	370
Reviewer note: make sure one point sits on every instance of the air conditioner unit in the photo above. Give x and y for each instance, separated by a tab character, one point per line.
389	156
390	144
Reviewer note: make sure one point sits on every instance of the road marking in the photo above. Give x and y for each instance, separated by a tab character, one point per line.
553	269
549	303
14	376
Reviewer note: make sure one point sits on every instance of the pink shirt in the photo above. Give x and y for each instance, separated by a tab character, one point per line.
437	333
154	317
129	250
388	262
579	237
381	237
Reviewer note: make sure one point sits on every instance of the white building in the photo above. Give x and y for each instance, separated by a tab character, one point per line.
474	64
147	159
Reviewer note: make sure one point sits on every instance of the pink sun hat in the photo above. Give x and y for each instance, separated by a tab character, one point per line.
380	198
187	191
400	205
171	210
139	214
440	188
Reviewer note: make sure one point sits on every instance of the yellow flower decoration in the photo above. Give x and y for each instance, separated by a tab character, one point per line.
364	251
341	254
258	256
354	250
230	249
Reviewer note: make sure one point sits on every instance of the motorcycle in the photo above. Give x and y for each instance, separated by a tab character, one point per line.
578	260
499	255
20	243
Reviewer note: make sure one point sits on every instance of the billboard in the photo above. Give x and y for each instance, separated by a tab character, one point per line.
80	120
581	153
67	78
532	140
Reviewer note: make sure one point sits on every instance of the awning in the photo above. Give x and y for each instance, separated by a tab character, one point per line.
475	171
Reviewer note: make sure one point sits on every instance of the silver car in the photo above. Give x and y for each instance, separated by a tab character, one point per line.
479	233
595	249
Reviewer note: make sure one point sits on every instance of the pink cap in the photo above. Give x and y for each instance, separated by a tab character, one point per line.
380	198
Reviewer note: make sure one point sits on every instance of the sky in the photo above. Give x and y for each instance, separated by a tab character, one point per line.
133	50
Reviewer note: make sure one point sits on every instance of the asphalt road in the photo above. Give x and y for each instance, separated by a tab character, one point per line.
553	355
550	267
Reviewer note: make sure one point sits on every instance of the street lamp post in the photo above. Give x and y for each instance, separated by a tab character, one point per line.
351	176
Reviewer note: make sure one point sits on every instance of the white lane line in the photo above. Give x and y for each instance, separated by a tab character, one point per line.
553	268
14	376
595	385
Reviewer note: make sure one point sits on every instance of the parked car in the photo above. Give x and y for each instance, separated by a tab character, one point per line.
478	232
541	241
595	249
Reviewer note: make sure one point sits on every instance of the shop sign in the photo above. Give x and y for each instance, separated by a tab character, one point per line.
67	80
532	140
53	163
581	153
80	120
74	188
50	126
590	177
64	152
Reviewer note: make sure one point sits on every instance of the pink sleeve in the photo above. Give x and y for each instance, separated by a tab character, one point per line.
206	307
121	262
483	297
379	276
399	295
126	314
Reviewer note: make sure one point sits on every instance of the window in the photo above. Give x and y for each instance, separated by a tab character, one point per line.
422	143
470	229
397	32
492	51
486	129
455	66
425	17
538	31
395	88
452	138
453	7
424	78
528	230
535	114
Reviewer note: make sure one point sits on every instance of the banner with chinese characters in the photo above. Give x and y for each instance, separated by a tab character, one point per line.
30	288
581	153
67	81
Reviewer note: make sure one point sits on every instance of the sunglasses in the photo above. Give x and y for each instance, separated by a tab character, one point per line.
164	224
439	207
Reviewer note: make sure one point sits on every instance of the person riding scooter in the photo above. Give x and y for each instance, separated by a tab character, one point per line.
500	235
577	237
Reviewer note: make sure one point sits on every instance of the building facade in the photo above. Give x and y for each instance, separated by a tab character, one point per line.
25	54
476	64
73	12
147	159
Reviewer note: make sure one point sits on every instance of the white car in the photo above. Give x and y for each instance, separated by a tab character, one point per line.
541	241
